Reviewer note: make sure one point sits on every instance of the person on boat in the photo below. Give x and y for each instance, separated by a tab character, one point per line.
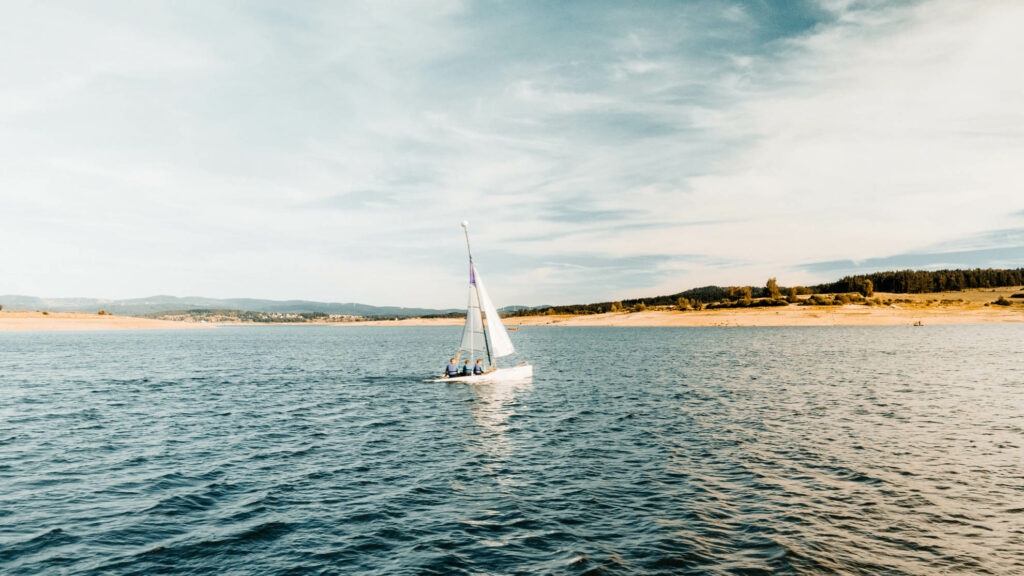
452	370
479	368
466	370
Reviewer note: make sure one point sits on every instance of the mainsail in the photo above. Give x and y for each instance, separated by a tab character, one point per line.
473	334
500	344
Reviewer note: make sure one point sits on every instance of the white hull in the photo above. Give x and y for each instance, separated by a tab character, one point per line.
521	372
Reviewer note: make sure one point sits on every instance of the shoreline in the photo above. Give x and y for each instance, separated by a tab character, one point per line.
24	321
849	315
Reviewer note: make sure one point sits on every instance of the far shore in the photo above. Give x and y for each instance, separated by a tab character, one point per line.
968	307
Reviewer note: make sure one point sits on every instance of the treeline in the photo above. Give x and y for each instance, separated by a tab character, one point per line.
692	298
921	281
445	315
849	289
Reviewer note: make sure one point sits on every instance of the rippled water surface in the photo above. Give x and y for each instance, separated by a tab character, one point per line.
306	450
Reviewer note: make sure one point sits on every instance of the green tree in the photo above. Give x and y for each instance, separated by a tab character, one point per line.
682	303
772	287
792	296
740	292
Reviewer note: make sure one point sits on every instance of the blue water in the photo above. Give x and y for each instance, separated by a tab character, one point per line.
318	450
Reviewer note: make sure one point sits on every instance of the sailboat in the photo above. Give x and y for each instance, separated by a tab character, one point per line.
484	332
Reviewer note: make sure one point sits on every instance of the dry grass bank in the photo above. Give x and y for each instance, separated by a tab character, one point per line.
935	308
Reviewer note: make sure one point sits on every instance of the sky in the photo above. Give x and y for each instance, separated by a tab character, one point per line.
600	150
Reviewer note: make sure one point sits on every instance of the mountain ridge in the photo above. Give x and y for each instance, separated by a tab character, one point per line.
163	302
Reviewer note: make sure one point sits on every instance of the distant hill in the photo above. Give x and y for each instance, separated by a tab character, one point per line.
155	304
516	308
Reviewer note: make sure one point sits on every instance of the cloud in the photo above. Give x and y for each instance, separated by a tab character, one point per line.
603	278
995	249
599	151
1009	257
569	211
355	200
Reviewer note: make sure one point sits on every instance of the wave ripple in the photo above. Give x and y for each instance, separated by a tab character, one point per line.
306	450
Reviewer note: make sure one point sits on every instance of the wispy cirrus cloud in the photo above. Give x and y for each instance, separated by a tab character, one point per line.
996	249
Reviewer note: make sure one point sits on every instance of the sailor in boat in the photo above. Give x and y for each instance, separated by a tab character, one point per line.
479	368
466	369
452	370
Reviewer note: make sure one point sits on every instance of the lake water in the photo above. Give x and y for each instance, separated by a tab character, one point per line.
318	450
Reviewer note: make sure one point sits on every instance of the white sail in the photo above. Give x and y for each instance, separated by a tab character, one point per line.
501	345
473	333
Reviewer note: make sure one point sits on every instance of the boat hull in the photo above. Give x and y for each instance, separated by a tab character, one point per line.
520	372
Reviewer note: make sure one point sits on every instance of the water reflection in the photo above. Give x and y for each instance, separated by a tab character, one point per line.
494	407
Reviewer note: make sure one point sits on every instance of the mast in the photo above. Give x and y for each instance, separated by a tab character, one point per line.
472	278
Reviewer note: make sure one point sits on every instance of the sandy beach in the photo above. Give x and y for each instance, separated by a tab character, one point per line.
33	321
960	308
